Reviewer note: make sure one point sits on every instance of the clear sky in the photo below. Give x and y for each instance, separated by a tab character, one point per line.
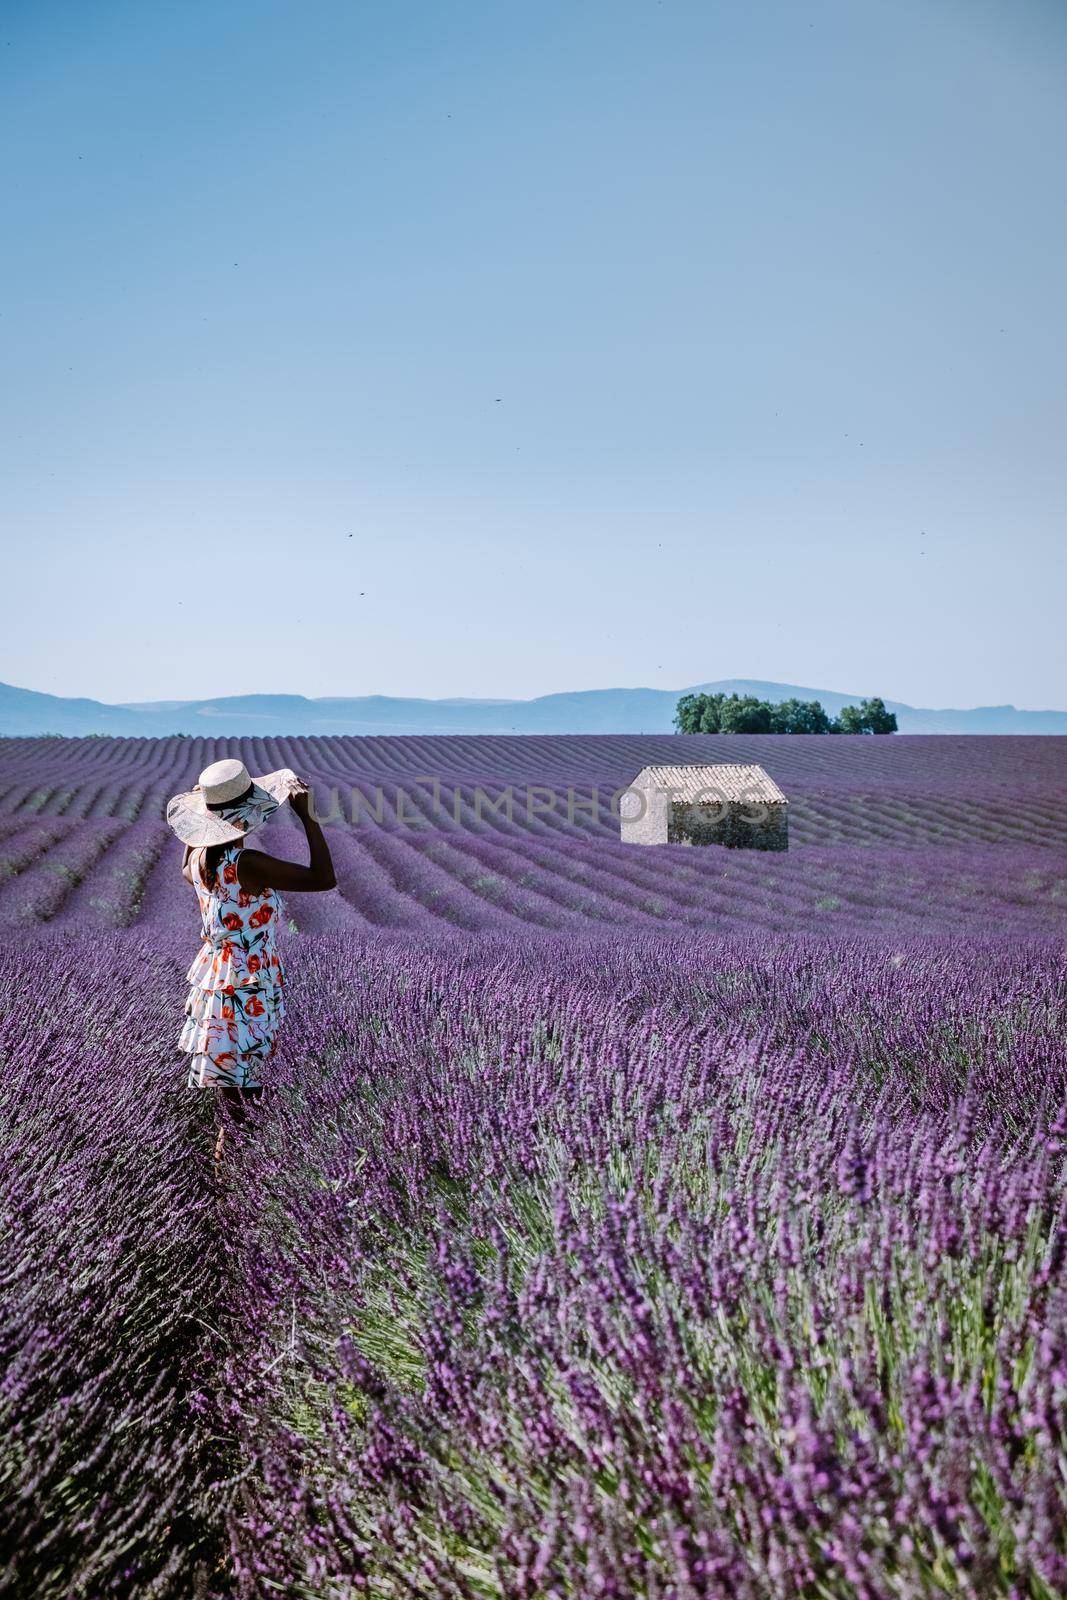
470	348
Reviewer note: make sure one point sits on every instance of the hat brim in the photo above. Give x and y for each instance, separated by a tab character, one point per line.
189	817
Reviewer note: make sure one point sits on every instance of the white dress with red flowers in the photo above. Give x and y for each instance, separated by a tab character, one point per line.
235	1003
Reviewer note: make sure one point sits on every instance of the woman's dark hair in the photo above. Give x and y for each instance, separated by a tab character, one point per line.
210	861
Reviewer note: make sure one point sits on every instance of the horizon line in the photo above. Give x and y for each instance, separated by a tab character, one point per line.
176	702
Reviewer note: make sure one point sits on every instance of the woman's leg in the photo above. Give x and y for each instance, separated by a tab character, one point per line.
234	1107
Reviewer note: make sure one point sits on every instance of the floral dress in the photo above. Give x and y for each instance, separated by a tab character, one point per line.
235	1002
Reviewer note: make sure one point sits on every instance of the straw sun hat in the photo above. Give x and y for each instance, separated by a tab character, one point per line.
227	803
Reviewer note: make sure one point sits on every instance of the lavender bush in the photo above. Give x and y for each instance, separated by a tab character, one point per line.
112	895
628	1267
22	842
37	891
113	1269
576	1294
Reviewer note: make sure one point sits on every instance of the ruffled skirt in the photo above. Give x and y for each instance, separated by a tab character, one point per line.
231	1034
206	1073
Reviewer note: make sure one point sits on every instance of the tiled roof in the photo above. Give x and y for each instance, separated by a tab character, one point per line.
714	783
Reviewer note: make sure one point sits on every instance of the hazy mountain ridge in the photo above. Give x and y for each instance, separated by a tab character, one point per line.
28	712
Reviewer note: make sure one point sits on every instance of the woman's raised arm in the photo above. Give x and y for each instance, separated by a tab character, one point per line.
256	871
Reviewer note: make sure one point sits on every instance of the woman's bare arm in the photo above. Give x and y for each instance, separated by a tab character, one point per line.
256	871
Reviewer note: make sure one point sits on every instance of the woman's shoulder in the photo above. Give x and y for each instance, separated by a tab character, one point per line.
255	859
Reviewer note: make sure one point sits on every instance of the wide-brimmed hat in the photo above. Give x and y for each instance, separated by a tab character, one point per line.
227	803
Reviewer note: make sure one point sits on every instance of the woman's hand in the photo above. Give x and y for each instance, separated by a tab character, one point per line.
300	796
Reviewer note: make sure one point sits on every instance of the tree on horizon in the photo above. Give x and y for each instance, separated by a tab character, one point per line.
721	713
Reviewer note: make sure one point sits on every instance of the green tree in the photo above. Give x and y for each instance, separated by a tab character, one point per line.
800	716
850	720
870	716
878	719
746	714
687	713
735	713
711	715
699	713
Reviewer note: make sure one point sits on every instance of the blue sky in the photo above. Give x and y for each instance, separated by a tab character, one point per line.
519	348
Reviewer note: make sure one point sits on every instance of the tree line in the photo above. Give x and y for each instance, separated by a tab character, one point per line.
743	713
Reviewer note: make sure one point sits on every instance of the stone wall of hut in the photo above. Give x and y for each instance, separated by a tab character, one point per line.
757	825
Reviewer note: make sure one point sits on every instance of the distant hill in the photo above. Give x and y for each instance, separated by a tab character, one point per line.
24	711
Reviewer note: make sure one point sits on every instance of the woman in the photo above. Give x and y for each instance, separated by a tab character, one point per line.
236	1002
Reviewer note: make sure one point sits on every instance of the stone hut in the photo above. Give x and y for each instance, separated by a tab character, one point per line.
736	806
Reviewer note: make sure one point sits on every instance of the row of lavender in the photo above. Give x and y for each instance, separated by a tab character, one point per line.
934	765
653	1268
816	818
923	790
109	875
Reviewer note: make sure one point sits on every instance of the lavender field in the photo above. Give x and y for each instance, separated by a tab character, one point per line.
913	834
658	1223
